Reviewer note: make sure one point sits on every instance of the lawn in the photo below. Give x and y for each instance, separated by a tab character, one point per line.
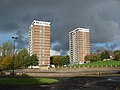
102	63
26	81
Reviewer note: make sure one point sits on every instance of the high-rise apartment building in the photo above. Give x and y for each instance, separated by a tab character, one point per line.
79	45
39	41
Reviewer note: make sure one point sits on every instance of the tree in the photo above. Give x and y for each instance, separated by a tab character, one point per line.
105	55
92	58
6	49
59	60
21	58
117	55
64	60
96	58
55	60
6	62
88	58
32	60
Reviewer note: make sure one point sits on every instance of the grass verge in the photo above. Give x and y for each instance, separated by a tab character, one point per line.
102	63
26	81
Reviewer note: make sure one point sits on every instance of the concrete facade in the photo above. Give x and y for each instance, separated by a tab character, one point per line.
79	45
39	41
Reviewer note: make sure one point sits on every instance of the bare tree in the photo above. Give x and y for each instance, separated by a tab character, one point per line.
6	49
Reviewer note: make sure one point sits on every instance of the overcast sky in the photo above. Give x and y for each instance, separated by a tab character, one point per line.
102	17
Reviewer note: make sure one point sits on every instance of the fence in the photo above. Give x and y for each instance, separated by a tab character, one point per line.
88	66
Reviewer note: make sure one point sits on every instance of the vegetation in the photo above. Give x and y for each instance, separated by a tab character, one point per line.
117	55
88	58
21	59
26	81
64	60
32	60
6	62
6	49
55	60
102	63
92	58
105	55
59	60
96	57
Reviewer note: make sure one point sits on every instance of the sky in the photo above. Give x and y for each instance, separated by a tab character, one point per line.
102	17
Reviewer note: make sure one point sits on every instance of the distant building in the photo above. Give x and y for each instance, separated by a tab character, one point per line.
79	45
39	41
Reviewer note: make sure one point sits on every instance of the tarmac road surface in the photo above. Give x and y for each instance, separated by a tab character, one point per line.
75	83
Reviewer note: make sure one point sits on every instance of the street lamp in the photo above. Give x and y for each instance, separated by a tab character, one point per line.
14	38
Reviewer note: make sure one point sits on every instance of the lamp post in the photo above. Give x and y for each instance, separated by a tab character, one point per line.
14	38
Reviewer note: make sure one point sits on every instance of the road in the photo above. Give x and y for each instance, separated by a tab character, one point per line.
75	83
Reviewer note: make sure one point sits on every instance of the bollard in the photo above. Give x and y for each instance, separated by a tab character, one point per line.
98	73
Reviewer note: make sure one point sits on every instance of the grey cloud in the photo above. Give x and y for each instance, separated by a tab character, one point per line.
27	19
106	46
22	41
100	16
104	31
40	16
63	52
57	47
115	45
10	27
101	29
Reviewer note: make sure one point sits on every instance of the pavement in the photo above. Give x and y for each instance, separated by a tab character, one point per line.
69	72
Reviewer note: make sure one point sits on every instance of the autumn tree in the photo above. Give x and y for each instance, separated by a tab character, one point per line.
88	58
0	54
59	60
6	62
55	60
